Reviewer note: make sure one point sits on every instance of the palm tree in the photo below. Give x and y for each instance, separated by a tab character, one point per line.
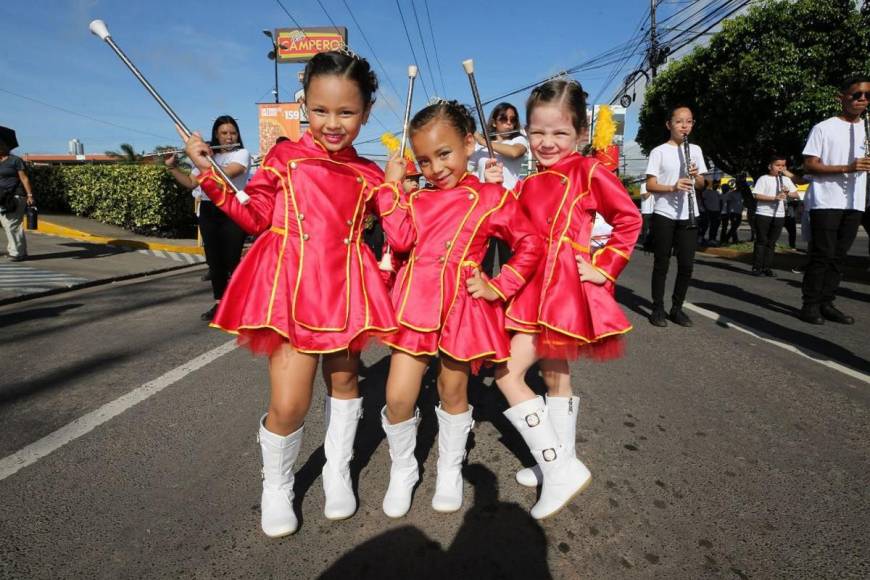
127	154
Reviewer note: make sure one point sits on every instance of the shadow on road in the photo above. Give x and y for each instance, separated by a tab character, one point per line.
11	318
749	297
807	343
84	250
842	292
497	540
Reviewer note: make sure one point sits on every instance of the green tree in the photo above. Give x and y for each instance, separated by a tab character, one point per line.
126	155
762	82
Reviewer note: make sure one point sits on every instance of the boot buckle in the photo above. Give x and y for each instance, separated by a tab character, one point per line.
549	454
533	420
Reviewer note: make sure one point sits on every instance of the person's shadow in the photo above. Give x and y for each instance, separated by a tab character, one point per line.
496	540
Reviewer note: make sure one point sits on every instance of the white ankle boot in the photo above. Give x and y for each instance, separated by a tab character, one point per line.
276	504
564	476
452	436
402	438
564	412
342	418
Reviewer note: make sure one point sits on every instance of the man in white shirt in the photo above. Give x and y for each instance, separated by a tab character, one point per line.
836	156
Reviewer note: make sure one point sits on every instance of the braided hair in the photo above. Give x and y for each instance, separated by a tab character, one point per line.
455	113
345	64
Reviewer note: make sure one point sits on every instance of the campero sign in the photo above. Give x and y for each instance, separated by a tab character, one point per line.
300	44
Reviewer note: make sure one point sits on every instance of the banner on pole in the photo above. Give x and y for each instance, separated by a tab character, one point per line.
278	120
300	44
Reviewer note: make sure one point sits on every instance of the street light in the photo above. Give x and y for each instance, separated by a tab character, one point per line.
273	54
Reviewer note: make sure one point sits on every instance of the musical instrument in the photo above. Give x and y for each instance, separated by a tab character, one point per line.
779	190
99	28
183	152
468	65
867	149
687	154
412	75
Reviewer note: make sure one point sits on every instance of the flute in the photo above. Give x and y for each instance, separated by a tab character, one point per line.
693	221
779	189
182	151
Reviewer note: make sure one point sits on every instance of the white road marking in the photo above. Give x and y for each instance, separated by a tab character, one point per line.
87	423
783	345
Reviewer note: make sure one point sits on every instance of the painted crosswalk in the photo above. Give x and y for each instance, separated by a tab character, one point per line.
177	256
19	279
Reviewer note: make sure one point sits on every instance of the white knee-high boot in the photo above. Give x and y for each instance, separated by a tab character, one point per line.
402	439
342	418
276	503
564	412
452	437
564	476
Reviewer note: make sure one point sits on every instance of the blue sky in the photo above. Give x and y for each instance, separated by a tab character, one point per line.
209	57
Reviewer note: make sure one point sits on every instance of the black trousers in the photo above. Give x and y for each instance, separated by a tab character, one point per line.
713	219
496	247
645	228
672	235
767	231
223	241
729	228
832	232
791	227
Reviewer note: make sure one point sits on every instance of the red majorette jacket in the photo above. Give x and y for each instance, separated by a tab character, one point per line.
446	233
561	202
308	277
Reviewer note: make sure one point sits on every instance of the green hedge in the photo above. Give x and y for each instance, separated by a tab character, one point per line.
141	198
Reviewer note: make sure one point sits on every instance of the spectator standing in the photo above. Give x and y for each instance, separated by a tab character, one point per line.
16	195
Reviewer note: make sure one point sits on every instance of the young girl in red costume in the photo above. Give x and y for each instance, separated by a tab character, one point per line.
443	303
568	309
309	286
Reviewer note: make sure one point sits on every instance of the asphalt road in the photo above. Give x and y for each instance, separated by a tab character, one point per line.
715	453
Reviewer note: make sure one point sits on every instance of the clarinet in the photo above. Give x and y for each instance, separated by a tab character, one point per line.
867	151
693	222
778	191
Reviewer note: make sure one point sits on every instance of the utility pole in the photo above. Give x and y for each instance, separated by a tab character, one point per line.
653	54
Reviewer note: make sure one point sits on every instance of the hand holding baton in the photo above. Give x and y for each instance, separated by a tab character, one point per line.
98	27
412	74
468	65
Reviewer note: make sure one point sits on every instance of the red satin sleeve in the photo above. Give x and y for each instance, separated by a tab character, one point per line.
395	214
255	216
511	224
618	210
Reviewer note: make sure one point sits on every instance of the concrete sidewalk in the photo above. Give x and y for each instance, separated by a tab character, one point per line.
69	252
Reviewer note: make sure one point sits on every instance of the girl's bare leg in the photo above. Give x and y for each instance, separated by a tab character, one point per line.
341	375
557	377
511	376
403	385
453	385
291	374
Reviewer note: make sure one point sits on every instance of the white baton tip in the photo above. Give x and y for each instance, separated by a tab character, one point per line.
468	65
242	197
412	70
99	28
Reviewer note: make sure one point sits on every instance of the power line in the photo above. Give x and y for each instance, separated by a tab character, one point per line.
411	46
435	46
423	43
375	56
84	116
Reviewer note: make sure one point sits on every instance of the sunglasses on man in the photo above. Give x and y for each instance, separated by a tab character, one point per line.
858	95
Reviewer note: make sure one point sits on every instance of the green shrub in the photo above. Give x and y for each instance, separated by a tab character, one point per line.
141	198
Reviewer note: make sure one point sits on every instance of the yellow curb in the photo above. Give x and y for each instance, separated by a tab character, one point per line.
46	227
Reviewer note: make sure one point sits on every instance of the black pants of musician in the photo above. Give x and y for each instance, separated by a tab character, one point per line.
791	227
713	220
832	232
672	235
730	227
645	229
499	248
223	241
767	231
